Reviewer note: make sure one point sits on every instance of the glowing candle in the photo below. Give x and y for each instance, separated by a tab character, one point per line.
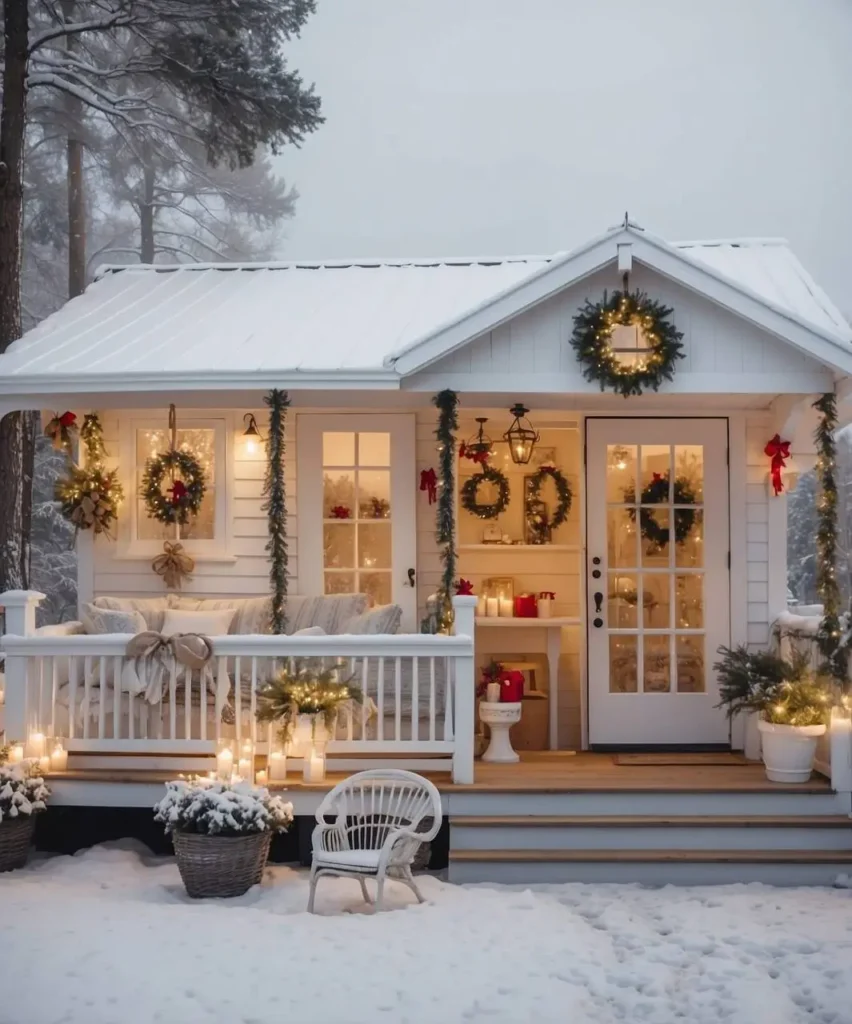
44	764
59	758
314	770
244	768
225	764
492	607
16	753
506	607
278	766
261	777
35	744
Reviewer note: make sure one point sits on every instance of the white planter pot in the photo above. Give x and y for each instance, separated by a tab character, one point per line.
751	737
309	734
788	750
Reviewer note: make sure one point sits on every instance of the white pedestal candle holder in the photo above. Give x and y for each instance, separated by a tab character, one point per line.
500	718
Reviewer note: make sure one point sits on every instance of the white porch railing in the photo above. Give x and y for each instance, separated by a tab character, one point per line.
418	692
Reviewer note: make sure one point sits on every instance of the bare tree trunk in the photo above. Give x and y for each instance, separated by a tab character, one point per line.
76	183
14	556
146	214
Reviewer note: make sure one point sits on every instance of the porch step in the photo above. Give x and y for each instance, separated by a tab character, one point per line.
638	833
651	866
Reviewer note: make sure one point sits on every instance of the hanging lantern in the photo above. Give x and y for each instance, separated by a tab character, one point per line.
521	437
251	434
478	448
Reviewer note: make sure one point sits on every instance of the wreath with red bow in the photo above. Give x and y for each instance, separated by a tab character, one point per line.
183	498
657	493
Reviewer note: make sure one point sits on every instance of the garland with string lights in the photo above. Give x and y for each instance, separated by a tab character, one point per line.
275	506
447	403
832	644
592	342
89	495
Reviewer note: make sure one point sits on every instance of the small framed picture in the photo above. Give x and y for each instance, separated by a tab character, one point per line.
541	456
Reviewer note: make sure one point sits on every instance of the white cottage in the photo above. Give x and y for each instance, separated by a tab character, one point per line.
624	657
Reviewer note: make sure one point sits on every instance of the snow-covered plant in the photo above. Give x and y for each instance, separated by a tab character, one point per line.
22	791
208	807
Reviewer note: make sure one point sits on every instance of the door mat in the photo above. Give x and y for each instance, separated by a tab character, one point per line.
720	759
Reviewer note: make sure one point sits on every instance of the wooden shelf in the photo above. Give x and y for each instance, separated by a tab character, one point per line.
519	547
518	622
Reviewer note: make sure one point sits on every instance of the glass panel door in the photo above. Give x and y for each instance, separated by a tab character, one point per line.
657	581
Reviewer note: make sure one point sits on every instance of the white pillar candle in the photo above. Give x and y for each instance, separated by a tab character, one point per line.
492	607
247	749
492	693
58	758
44	764
244	768
261	777
506	607
35	744
277	766
16	753
481	605
314	770
225	764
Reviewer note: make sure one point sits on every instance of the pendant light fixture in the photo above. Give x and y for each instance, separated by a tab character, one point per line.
521	436
479	447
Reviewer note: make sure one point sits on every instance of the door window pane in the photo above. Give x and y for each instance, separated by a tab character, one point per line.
622	601
623	671
655	600
655	470
657	671
689	537
377	586
374	449
338	494
339	545
620	472
621	539
690	664
338	449
340	583
374	545
689	601
655	537
374	494
689	473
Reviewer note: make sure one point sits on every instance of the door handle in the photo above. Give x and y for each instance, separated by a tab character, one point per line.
411	577
598	596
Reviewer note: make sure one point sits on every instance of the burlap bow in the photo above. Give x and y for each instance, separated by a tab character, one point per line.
152	657
174	565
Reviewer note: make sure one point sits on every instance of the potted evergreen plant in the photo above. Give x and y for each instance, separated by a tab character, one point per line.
23	795
221	832
792	702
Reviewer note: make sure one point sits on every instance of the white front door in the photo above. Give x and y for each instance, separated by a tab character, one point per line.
356	497
657	579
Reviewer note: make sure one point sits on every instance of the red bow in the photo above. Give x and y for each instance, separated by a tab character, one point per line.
177	491
656	478
68	419
778	451
464	588
429	483
479	457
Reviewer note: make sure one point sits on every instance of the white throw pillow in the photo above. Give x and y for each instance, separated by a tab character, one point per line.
209	623
310	631
99	621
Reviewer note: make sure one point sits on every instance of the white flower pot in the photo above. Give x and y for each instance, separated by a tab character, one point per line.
788	750
309	733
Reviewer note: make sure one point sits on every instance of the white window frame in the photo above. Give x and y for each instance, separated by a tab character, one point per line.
220	547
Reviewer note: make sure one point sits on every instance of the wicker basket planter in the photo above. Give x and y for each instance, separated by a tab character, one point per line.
221	865
16	836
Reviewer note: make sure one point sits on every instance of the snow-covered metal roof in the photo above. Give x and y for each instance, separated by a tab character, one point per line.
343	319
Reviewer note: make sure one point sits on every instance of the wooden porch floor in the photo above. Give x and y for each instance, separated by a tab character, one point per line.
549	772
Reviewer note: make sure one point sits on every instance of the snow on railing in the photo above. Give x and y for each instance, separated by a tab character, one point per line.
418	691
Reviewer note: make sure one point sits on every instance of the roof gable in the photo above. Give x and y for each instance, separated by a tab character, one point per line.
806	319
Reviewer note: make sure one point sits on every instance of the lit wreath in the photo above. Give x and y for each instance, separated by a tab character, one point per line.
470	489
657	493
592	341
183	499
563	495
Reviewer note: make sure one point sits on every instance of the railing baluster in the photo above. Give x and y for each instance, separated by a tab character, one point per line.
116	697
173	702
187	703
415	700
365	686
202	714
101	696
54	693
39	725
87	683
380	724
238	702
73	669
397	687
432	698
449	683
253	699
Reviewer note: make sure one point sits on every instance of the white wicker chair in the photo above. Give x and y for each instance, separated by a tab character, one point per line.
381	817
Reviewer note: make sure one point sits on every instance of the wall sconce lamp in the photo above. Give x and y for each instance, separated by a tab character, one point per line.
251	433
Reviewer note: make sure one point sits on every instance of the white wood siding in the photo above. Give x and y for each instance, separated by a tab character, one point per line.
243	569
723	352
765	536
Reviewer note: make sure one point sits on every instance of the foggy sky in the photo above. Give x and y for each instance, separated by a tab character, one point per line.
494	127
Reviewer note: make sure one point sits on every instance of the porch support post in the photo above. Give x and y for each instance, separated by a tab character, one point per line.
840	750
20	607
464	607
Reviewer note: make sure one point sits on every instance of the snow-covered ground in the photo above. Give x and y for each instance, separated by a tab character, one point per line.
110	936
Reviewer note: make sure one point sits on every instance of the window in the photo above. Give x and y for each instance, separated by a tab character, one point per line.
357	511
207	440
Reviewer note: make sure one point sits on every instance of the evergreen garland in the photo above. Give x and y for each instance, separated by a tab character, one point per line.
89	495
592	341
275	505
834	650
447	403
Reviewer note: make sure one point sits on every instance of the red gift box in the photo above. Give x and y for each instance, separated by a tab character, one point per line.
526	606
511	687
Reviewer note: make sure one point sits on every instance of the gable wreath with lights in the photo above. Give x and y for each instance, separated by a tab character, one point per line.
592	342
